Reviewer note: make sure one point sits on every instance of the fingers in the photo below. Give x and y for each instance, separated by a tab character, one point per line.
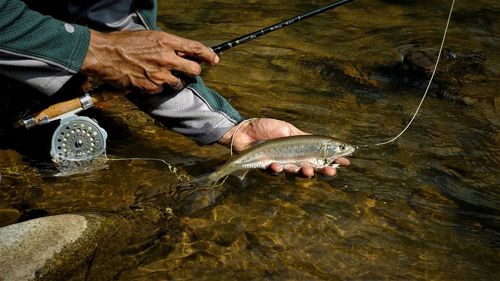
199	51
176	58
329	171
185	66
173	66
193	49
343	161
308	171
275	168
153	89
156	82
174	82
305	171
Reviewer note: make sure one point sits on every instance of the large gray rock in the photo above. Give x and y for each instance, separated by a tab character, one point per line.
47	248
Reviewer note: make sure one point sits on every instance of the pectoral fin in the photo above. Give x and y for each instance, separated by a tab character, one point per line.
240	174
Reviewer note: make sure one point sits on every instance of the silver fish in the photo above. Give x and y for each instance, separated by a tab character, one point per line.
289	152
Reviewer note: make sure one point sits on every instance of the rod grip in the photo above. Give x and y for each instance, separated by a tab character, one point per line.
59	109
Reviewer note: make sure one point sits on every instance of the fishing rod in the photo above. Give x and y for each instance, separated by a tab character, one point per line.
251	36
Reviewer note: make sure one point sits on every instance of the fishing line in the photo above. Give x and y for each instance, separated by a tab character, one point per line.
428	85
171	168
238	127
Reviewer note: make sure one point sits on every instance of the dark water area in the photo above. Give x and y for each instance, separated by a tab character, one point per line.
426	207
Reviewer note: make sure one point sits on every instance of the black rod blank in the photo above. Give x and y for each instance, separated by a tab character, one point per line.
248	37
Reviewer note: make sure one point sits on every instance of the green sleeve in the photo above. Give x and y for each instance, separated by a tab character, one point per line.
149	16
29	34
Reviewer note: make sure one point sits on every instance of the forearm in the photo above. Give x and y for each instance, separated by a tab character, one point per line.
28	34
39	50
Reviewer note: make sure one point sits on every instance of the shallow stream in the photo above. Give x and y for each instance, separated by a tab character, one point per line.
424	208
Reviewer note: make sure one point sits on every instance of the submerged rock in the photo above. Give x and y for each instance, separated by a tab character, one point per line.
456	73
49	248
455	69
459	64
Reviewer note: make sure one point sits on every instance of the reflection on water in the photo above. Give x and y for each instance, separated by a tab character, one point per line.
426	207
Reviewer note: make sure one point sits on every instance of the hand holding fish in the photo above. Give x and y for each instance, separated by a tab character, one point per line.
144	60
262	129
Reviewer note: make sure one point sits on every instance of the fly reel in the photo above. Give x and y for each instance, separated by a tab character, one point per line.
78	138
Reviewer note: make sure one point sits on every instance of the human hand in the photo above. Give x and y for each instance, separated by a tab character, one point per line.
261	129
144	60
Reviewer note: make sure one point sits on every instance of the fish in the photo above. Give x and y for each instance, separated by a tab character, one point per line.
290	152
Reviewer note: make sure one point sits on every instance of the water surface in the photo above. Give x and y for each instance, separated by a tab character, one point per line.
425	207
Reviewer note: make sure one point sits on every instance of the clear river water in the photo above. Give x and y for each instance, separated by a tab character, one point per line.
426	207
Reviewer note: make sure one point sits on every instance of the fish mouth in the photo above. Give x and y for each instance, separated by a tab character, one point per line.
348	152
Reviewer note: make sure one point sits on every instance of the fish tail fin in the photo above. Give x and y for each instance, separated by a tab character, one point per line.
241	174
214	179
209	180
218	179
198	193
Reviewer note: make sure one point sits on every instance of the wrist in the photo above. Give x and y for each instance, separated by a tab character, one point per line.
90	64
225	140
239	131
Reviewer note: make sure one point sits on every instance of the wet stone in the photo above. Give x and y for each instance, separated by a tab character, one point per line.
456	69
451	62
48	248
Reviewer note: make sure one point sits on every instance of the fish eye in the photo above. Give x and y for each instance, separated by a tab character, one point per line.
342	147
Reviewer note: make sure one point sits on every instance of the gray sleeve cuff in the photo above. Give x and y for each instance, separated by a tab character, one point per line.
188	112
41	76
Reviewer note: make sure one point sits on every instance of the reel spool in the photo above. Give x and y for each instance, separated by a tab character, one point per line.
78	138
